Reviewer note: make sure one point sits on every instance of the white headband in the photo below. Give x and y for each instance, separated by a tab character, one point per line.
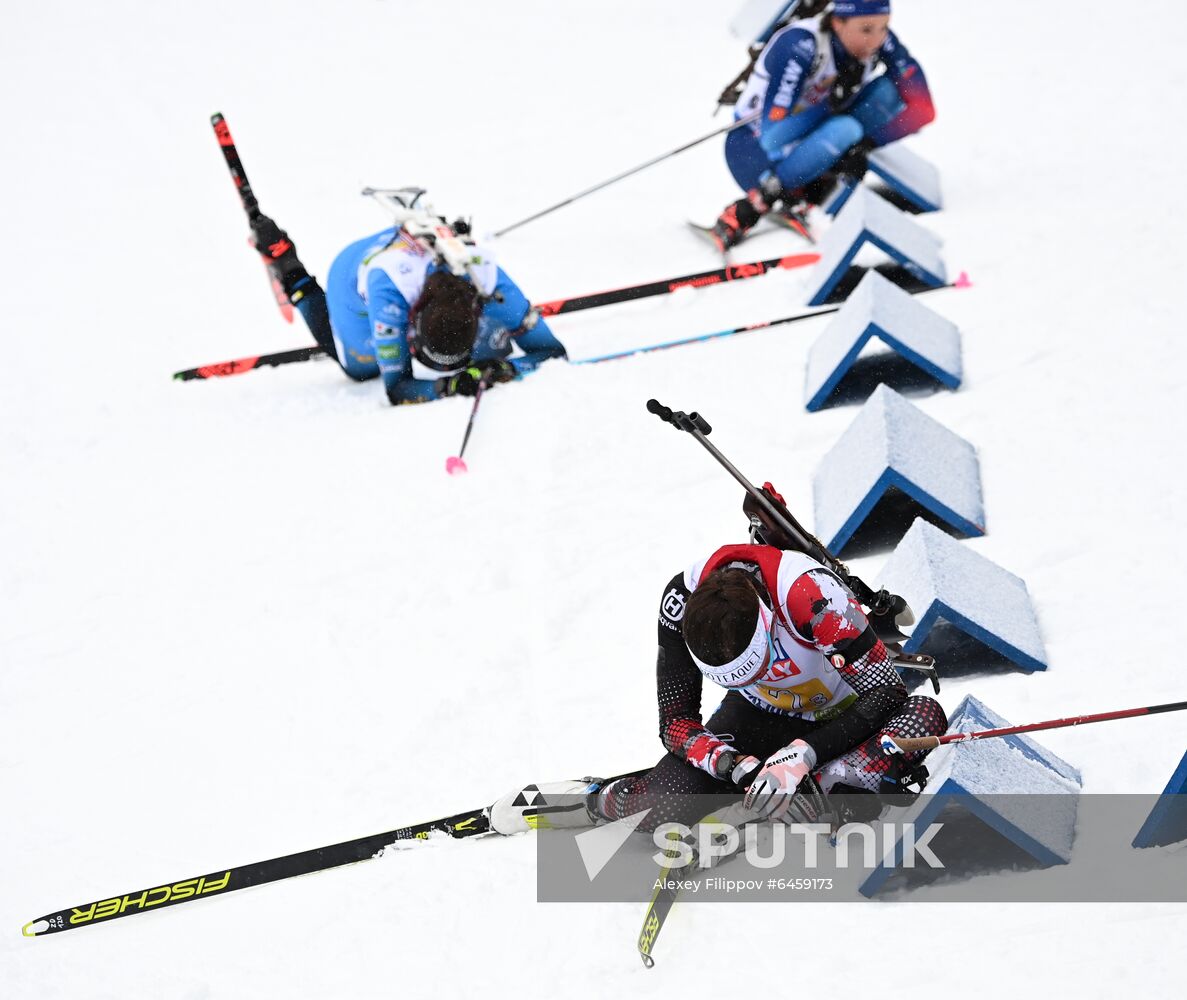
748	666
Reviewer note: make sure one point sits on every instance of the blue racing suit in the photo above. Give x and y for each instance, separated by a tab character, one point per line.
804	127
371	289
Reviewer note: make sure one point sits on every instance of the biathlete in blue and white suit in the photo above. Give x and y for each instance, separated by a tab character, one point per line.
829	89
392	308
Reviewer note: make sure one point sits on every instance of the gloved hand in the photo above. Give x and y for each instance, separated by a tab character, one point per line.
270	240
497	370
741	770
854	162
772	790
465	382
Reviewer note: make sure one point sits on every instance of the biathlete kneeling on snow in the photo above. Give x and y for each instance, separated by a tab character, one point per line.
830	89
417	304
811	689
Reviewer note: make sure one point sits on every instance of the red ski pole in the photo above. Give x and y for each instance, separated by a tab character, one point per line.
931	742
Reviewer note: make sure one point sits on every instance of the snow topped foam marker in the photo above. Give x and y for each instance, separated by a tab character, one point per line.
468	824
222	132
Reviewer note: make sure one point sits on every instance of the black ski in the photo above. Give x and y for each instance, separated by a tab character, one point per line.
716	276
222	132
468	824
222	369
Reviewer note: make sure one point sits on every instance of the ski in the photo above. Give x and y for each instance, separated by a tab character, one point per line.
668	885
730	272
797	222
222	369
467	824
960	282
734	272
222	132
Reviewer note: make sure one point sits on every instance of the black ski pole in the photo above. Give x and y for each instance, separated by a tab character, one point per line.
634	170
455	464
880	602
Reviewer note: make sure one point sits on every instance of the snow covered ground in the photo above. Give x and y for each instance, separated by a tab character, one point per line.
248	617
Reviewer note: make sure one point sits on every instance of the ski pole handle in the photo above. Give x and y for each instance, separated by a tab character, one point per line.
916	743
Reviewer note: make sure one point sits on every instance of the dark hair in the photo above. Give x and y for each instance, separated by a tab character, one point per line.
720	617
447	317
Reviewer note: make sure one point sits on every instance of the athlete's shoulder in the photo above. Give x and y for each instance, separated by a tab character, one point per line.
672	604
798	40
894	53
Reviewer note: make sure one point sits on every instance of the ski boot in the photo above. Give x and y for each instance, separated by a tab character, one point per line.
739	218
553	805
280	257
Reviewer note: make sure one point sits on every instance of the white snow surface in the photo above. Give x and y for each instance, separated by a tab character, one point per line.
253	616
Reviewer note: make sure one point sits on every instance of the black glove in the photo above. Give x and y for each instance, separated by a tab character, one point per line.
854	162
846	83
465	382
270	240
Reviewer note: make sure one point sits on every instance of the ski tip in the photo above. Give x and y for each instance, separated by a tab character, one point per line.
455	465
963	280
39	926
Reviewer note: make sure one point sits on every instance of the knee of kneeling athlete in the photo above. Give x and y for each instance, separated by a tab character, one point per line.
876	105
881	704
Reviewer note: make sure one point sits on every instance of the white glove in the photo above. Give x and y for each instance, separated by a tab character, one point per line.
771	792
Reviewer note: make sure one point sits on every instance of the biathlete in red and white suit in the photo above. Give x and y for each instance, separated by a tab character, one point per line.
810	689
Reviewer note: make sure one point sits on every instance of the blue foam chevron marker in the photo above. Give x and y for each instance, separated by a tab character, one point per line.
867	218
880	309
892	445
1013	785
946	582
1167	822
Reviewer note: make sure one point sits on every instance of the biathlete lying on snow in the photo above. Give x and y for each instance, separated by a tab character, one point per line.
417	304
830	89
811	689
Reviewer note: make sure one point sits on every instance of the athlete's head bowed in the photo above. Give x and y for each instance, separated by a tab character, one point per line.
445	321
727	628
